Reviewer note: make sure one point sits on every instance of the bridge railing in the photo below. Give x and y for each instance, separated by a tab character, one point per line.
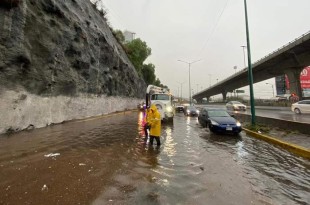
296	39
256	62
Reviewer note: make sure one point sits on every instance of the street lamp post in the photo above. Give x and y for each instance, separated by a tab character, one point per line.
250	74
181	88
272	88
243	47
189	78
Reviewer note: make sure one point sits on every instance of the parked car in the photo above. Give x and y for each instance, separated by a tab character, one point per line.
191	111
235	105
301	107
219	121
179	108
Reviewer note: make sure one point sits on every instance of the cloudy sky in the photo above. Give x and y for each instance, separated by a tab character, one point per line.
210	30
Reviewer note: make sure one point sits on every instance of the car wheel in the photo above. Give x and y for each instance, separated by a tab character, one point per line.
203	124
211	128
297	111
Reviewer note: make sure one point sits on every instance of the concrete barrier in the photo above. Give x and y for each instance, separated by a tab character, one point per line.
283	124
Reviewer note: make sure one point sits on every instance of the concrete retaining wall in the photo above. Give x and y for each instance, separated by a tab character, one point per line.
22	110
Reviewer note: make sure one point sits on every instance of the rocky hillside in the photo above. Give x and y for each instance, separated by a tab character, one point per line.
58	52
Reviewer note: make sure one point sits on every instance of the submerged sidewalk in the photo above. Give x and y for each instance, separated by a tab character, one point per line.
296	143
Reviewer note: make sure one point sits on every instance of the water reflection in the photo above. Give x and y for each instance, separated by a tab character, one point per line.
141	123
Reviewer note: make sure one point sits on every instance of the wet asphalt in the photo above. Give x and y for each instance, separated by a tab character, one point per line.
105	161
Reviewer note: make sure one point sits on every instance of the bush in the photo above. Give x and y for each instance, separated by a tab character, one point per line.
258	127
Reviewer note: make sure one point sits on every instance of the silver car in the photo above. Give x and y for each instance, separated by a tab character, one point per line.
235	105
301	107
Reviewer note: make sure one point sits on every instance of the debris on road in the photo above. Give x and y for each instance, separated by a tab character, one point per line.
51	155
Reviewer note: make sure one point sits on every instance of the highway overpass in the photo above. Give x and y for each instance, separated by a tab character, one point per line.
289	60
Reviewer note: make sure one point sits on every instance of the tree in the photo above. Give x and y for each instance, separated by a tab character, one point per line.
157	82
118	34
137	52
148	73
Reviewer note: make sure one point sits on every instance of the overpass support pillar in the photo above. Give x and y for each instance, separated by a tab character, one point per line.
224	96
293	75
208	99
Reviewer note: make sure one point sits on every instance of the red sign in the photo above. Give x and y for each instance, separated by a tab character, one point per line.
304	79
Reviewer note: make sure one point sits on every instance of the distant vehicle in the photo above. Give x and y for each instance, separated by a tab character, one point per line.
219	121
284	97
163	100
277	99
191	111
301	107
235	105
141	106
179	108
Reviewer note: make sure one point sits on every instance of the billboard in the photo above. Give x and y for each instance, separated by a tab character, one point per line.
304	82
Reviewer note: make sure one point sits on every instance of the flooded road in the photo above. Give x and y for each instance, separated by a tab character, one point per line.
105	161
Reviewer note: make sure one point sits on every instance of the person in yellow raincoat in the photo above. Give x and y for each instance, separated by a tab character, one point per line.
154	121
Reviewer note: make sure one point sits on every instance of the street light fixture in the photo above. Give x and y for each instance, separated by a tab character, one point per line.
272	88
189	77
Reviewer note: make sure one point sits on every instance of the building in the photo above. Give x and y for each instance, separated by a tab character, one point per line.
129	36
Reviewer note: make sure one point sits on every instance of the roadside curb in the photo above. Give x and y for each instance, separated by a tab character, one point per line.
301	151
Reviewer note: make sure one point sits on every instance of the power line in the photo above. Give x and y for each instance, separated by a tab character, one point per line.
214	28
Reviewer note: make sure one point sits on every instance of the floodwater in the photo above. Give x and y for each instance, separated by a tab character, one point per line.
105	161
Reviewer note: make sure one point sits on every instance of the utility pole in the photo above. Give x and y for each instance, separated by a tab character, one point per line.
189	78
210	78
243	47
181	88
250	74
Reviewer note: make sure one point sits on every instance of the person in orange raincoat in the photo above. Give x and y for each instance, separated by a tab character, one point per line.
154	121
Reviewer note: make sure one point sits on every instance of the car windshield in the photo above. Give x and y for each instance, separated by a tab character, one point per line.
218	113
160	97
236	102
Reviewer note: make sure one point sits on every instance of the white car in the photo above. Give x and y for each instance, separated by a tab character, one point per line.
301	107
235	105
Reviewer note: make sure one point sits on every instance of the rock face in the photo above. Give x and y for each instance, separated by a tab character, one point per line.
60	50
